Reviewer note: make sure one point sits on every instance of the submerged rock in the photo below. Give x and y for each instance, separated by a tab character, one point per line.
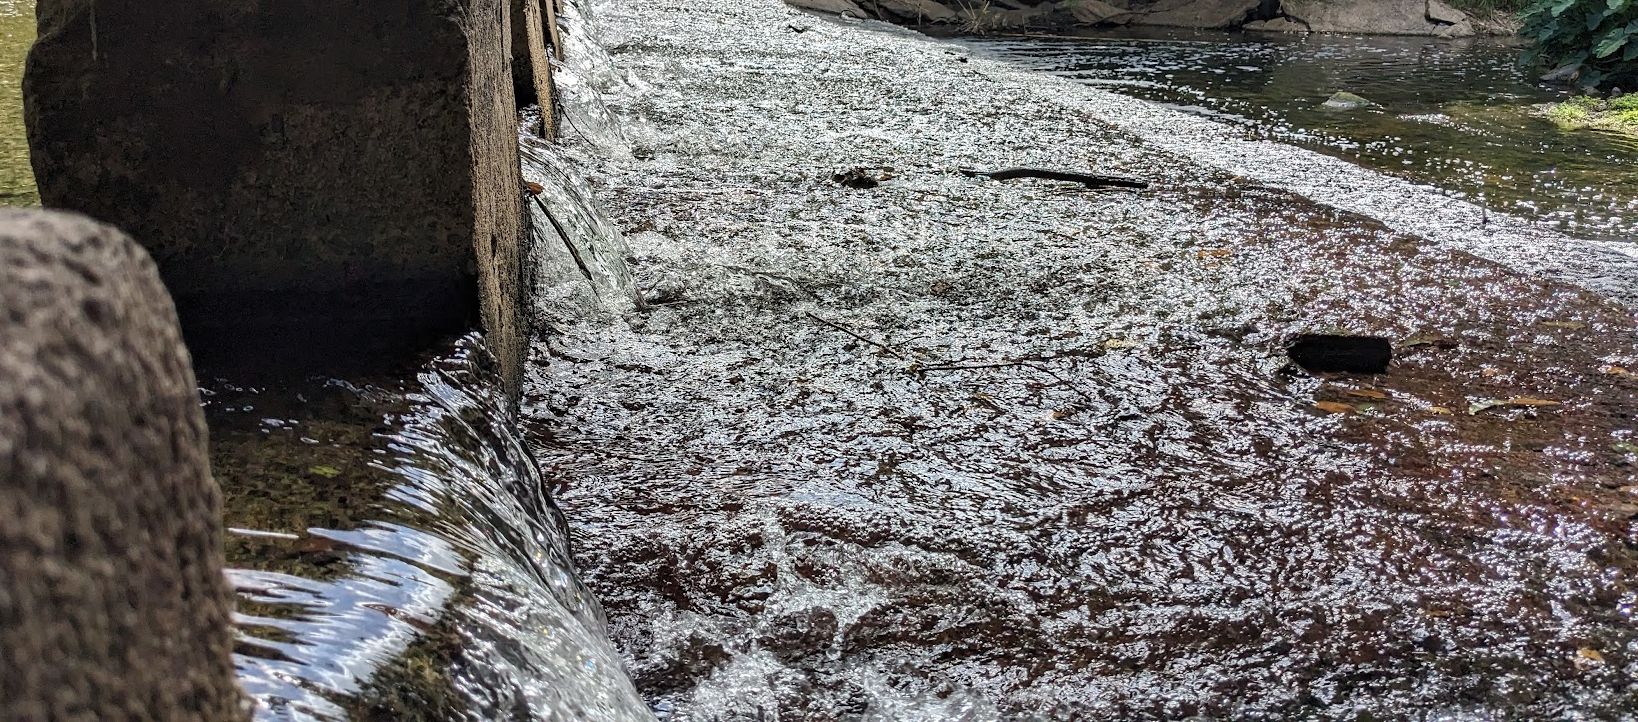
1277	25
1344	100
113	605
1323	353
313	179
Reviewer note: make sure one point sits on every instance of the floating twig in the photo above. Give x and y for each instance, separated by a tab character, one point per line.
1088	179
839	327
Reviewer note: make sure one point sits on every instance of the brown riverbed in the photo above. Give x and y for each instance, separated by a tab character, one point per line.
950	448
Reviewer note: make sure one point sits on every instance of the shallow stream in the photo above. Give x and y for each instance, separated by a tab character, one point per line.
1458	114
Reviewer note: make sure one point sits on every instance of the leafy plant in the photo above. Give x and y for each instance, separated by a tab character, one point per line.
1593	41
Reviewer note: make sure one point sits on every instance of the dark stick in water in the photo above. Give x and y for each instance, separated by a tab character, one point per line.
1090	180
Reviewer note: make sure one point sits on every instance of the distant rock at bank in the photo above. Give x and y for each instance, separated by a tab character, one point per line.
1379	17
1374	17
833	7
1344	100
1208	14
113	604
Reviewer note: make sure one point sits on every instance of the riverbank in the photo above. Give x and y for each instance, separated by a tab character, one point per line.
950	447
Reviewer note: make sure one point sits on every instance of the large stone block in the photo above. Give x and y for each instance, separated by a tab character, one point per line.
310	175
113	605
1379	17
531	61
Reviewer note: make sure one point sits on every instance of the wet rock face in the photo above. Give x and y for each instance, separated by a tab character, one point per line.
1379	17
310	176
114	606
1375	17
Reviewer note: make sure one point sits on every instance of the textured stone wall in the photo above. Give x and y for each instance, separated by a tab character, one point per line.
113	605
313	177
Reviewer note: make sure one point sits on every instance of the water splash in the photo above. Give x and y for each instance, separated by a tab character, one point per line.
584	77
577	257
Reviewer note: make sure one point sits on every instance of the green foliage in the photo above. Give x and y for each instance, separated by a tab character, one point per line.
1596	38
1617	115
1568	114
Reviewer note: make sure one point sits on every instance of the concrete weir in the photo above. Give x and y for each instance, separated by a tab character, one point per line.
531	59
113	604
313	178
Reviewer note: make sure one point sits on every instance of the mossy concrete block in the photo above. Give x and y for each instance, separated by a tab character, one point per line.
310	175
113	605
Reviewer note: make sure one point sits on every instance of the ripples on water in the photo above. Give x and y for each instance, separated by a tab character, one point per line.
1454	113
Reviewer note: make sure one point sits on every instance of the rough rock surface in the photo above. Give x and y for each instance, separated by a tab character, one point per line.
308	175
113	605
1378	17
1097	12
833	7
531	62
1277	25
1197	13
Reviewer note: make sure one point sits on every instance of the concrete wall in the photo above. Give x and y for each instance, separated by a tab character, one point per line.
113	605
314	178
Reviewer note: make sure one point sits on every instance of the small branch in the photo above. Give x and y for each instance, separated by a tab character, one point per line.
895	352
1087	179
1016	363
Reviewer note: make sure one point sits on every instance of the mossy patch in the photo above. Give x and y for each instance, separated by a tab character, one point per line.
1618	115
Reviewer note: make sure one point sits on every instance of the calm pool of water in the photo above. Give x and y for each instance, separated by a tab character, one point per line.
1455	114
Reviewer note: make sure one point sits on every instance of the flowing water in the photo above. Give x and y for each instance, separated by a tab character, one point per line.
950	449
1459	114
397	556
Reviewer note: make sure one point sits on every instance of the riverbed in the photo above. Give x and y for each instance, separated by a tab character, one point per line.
956	448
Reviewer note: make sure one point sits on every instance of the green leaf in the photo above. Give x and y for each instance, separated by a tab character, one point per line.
1561	6
1616	6
1612	41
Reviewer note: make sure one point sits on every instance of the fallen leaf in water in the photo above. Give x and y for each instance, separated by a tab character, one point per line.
1616	371
1571	325
1519	401
1589	654
1367	394
1440	410
1625	447
328	472
1115	343
1333	407
535	189
1213	253
1490	372
1057	414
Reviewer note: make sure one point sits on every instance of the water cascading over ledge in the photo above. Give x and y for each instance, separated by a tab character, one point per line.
353	189
398	554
